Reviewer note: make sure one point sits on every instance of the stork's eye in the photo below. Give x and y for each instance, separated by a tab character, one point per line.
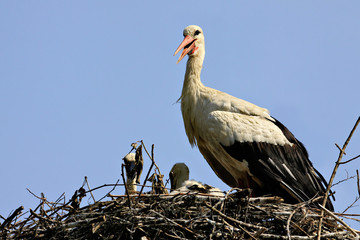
197	32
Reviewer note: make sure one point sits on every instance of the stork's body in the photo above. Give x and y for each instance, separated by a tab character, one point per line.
242	143
133	166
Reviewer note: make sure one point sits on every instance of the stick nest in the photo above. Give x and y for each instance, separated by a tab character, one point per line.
158	215
182	216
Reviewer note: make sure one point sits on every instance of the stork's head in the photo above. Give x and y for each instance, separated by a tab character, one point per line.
178	175
193	43
130	164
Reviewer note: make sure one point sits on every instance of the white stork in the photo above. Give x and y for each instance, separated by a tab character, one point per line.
133	169
242	143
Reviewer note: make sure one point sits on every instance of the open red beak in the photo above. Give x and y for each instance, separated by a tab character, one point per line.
187	45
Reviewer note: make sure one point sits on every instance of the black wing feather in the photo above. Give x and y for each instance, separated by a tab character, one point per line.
284	170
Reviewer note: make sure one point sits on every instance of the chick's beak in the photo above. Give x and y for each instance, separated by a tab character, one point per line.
187	45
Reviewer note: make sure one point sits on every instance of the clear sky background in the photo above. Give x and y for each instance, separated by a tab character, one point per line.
81	80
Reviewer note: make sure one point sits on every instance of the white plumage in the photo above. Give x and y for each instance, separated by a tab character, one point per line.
192	186
130	162
243	144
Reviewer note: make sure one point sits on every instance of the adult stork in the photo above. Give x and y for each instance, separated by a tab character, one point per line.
242	143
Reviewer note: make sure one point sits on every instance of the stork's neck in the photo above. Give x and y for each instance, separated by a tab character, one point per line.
131	185
192	80
190	93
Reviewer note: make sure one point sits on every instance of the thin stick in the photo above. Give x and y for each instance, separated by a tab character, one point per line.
177	224
343	180
350	160
34	194
358	181
87	183
12	216
148	173
342	152
341	221
43	218
289	221
152	155
126	189
59	199
231	219
347	214
105	185
108	194
338	162
351	205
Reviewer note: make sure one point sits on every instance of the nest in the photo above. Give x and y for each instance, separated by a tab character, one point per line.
181	216
158	215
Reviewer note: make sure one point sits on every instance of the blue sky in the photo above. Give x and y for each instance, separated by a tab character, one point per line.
80	81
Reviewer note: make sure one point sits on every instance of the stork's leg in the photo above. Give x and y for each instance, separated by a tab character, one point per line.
248	183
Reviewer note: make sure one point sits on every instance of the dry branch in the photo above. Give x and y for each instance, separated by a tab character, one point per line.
338	162
192	215
358	181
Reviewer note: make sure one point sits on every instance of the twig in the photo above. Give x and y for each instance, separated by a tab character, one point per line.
231	219
105	185
257	200
342	152
352	204
289	220
42	218
126	189
43	202
181	216
276	215
116	184
152	155
347	214
12	216
358	181
179	225
343	180
341	221
352	159
87	183
358	189
148	173
34	194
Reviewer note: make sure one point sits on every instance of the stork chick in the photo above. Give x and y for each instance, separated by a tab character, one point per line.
133	169
179	173
180	183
